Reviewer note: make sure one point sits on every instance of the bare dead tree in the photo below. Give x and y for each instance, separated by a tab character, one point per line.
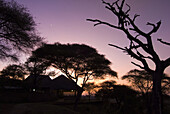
128	26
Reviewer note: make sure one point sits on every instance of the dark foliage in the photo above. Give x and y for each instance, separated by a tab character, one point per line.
119	99
13	71
17	30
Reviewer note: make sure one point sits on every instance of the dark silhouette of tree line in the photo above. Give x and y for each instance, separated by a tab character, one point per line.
132	98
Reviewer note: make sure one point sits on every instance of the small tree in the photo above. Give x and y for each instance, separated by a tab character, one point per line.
139	80
89	87
17	30
106	89
125	98
139	43
14	71
142	81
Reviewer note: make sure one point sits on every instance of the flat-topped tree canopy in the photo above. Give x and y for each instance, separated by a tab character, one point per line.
78	59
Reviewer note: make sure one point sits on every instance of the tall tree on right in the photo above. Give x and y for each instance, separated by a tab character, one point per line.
138	43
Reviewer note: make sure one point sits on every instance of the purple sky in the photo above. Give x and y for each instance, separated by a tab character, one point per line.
64	21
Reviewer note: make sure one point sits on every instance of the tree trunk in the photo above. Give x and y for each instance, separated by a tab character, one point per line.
157	94
78	98
75	93
89	95
149	103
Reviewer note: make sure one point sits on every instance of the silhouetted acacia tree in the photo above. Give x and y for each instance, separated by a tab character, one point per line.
76	60
108	84
139	41
90	88
17	30
13	71
106	89
142	81
124	97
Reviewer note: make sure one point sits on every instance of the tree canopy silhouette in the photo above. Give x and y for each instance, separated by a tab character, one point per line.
139	43
13	71
142	81
76	60
17	30
124	97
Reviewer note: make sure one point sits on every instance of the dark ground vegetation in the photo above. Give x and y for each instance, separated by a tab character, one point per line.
19	102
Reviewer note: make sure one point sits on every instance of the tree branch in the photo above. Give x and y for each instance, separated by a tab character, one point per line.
166	43
138	65
98	22
135	16
117	47
166	62
155	27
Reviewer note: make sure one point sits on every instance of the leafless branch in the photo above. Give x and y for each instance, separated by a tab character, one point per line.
123	1
137	57
155	27
144	57
98	22
137	65
135	16
166	43
167	62
128	9
135	27
117	47
137	36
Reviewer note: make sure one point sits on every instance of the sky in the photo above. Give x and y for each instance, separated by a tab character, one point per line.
64	21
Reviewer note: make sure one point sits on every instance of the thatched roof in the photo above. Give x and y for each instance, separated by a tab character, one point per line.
62	82
44	81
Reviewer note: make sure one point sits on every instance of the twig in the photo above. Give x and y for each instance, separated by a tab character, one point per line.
166	43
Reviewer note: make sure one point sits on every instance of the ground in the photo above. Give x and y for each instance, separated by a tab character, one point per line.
42	103
38	103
